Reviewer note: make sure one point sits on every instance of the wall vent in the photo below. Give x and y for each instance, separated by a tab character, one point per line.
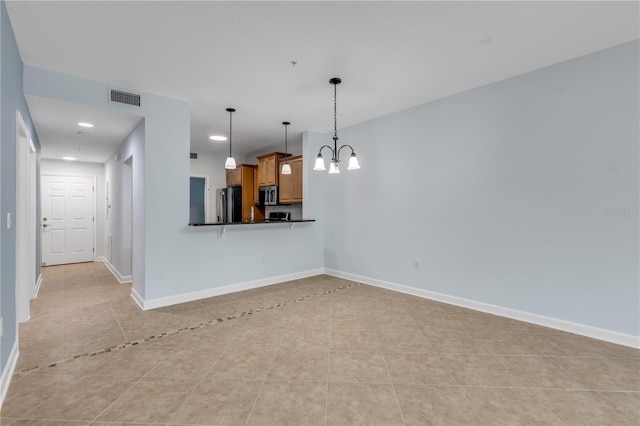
124	97
193	155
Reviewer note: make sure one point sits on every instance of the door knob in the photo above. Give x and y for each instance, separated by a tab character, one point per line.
44	225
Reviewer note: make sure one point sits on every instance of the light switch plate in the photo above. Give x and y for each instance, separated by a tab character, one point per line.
9	221
1	327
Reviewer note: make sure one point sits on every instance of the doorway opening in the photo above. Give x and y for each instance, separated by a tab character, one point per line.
199	199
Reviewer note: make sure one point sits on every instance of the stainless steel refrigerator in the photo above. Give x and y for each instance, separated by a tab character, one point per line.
229	204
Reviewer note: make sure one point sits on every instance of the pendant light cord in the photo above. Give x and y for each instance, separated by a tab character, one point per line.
230	132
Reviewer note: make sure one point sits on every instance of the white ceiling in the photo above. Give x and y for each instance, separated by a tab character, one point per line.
390	55
57	126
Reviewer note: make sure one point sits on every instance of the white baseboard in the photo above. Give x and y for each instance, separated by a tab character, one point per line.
555	323
122	279
7	374
38	284
218	291
137	298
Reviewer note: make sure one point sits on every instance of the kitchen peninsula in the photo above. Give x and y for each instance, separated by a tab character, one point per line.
260	194
263	222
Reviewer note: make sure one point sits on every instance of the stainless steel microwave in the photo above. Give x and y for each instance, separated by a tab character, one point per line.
268	196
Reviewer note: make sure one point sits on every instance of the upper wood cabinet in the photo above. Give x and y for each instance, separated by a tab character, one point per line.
290	190
234	176
268	168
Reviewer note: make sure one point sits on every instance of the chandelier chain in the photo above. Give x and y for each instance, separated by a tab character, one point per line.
335	110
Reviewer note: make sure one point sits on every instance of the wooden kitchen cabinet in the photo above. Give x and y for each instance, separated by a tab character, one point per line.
234	176
290	190
256	191
244	175
268	168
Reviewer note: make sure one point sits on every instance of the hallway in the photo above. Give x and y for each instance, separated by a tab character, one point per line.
321	350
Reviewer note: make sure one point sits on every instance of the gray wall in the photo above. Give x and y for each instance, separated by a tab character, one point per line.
521	194
11	99
169	257
119	175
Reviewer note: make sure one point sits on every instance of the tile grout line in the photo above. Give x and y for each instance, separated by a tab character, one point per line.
136	383
273	360
204	376
114	313
537	398
326	405
386	365
637	415
62	313
122	394
174	331
466	396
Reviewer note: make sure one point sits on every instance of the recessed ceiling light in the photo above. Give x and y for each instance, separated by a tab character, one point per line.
218	138
85	124
69	158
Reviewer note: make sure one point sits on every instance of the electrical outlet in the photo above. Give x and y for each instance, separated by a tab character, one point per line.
9	221
416	265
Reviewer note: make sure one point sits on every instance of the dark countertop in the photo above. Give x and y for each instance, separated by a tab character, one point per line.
263	222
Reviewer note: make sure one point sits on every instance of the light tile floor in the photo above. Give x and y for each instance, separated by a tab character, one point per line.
318	351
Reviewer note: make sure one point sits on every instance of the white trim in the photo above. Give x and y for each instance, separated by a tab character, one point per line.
24	271
34	228
555	323
9	368
122	279
38	284
218	291
137	298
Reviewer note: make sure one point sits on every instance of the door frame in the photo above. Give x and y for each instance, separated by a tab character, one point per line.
95	208
25	248
206	194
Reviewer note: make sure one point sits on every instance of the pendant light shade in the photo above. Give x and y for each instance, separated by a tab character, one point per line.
335	151
286	168
353	162
230	164
319	163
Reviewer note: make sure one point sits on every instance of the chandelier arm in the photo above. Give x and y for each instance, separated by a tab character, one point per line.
327	146
344	146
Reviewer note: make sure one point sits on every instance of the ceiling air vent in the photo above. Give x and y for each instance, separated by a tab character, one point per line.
124	97
193	155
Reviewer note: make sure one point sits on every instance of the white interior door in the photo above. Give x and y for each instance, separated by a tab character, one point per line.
67	219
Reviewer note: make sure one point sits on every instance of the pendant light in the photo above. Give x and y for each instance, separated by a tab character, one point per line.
335	151
230	164
286	168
